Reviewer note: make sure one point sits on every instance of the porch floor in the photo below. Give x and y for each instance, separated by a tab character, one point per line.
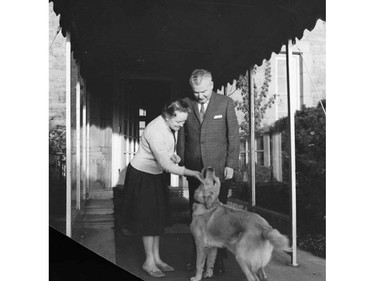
96	229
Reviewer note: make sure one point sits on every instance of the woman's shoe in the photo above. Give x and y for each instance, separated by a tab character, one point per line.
165	267
153	272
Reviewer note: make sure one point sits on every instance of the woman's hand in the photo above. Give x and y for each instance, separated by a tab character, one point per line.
194	174
198	176
175	158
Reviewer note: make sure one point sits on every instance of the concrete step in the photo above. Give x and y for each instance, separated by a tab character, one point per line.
96	214
95	225
99	203
101	194
98	207
95	218
104	211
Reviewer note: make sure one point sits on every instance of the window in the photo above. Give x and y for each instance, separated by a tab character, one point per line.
142	121
142	112
281	83
259	150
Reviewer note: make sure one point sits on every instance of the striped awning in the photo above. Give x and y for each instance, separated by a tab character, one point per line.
175	36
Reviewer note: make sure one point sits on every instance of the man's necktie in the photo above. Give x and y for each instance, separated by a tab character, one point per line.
201	113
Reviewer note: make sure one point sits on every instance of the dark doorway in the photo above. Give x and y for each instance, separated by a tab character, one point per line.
150	95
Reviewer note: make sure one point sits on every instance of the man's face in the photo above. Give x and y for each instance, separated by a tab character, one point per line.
203	92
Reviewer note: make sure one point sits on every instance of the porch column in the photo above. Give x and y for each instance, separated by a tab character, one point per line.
68	229
292	151
252	135
78	143
87	141
84	142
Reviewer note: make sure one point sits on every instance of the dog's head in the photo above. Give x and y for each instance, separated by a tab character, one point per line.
208	191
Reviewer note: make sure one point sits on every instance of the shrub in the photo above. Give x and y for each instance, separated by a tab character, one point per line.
57	159
57	140
310	173
57	151
310	141
313	243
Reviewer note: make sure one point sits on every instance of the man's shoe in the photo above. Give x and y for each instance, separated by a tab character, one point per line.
219	267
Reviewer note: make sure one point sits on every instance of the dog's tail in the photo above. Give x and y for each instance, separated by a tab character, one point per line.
278	240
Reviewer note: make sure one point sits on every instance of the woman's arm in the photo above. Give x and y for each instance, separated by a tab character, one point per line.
195	174
158	143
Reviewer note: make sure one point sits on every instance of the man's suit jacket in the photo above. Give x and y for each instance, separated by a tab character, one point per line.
213	143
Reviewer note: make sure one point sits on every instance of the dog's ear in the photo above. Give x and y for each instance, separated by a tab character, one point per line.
213	192
204	172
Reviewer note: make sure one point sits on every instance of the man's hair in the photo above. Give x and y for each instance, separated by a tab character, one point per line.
170	108
198	75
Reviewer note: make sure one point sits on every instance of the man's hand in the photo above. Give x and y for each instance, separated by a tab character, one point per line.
175	158
228	173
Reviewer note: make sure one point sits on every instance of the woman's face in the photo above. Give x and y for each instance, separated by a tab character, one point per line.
176	122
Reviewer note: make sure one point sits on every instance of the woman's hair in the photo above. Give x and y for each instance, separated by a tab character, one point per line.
173	106
198	75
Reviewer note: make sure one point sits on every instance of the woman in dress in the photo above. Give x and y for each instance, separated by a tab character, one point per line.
145	189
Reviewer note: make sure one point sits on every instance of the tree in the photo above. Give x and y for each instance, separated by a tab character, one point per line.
261	99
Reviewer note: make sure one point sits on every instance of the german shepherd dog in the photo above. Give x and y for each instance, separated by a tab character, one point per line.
247	235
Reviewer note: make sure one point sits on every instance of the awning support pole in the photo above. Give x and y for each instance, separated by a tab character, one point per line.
252	135
68	229
87	142
84	143
78	142
292	156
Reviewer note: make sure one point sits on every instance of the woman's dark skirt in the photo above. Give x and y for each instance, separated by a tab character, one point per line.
144	207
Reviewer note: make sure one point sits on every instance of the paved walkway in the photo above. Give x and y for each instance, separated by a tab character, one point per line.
95	229
175	249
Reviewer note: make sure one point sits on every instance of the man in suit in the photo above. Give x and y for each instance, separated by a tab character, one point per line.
210	137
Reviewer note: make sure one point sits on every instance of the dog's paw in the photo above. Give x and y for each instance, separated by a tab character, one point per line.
195	278
208	273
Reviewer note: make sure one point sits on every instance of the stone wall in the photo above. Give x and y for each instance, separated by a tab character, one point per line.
56	71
